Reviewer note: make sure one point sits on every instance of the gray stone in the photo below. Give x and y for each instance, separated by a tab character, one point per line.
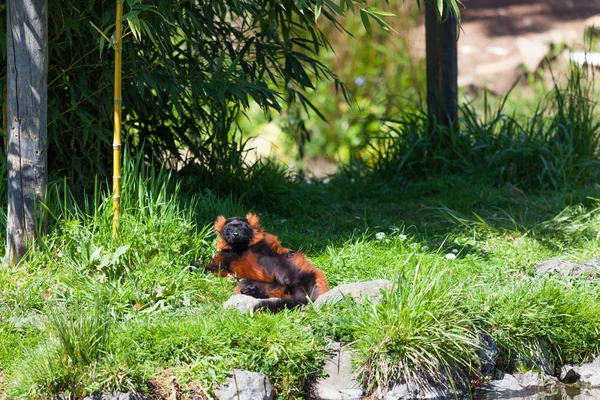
568	375
584	394
508	384
241	302
488	354
406	391
115	396
244	303
589	373
341	382
594	262
426	387
245	385
400	391
371	289
534	380
556	266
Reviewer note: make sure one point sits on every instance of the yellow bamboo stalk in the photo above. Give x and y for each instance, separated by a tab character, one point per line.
118	100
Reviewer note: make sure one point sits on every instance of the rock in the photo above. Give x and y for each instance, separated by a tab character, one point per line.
245	385
340	383
508	383
370	289
427	387
241	302
115	396
556	266
584	394
487	353
568	375
244	303
534	380
406	391
589	373
594	262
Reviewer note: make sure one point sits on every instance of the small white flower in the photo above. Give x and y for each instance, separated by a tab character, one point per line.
402	237
450	256
380	235
425	248
455	251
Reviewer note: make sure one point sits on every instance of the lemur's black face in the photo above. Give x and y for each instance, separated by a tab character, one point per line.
237	232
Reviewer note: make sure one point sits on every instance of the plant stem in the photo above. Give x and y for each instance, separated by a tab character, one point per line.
117	120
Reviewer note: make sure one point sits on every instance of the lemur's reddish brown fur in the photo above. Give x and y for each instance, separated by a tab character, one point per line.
266	268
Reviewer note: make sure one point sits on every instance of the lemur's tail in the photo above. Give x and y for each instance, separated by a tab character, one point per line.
279	304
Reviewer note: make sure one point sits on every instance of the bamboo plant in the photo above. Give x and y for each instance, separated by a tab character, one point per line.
118	47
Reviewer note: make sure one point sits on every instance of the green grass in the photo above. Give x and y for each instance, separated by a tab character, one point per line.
90	312
553	147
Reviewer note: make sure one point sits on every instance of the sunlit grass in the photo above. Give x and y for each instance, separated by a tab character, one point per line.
90	312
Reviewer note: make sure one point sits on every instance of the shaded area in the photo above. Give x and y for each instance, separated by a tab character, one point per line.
515	17
503	39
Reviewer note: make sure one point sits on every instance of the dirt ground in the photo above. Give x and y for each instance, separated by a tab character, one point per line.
500	39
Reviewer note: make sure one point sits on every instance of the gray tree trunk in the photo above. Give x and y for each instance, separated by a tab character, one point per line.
27	101
442	65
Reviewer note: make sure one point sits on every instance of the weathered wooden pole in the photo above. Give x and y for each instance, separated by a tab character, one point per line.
441	37
27	142
118	100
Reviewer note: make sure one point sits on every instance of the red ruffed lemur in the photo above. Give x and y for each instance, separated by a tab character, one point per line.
266	269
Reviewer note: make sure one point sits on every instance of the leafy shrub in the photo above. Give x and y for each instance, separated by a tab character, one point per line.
555	148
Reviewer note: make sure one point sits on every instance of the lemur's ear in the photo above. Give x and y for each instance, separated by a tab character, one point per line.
219	224
254	221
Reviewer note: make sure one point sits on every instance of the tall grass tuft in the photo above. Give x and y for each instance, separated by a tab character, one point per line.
530	317
556	147
83	330
78	352
419	329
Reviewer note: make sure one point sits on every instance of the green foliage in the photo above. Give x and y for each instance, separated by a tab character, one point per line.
189	69
384	76
90	312
420	329
205	344
555	148
526	313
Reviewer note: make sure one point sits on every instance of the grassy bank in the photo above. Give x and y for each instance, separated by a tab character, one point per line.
89	312
459	237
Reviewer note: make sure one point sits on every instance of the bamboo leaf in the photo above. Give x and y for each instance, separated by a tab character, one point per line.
134	24
318	7
365	20
338	9
455	10
378	11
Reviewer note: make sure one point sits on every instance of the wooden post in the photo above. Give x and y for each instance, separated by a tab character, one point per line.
442	65
27	103
118	100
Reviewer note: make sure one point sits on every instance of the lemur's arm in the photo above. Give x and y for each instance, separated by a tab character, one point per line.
261	290
218	266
